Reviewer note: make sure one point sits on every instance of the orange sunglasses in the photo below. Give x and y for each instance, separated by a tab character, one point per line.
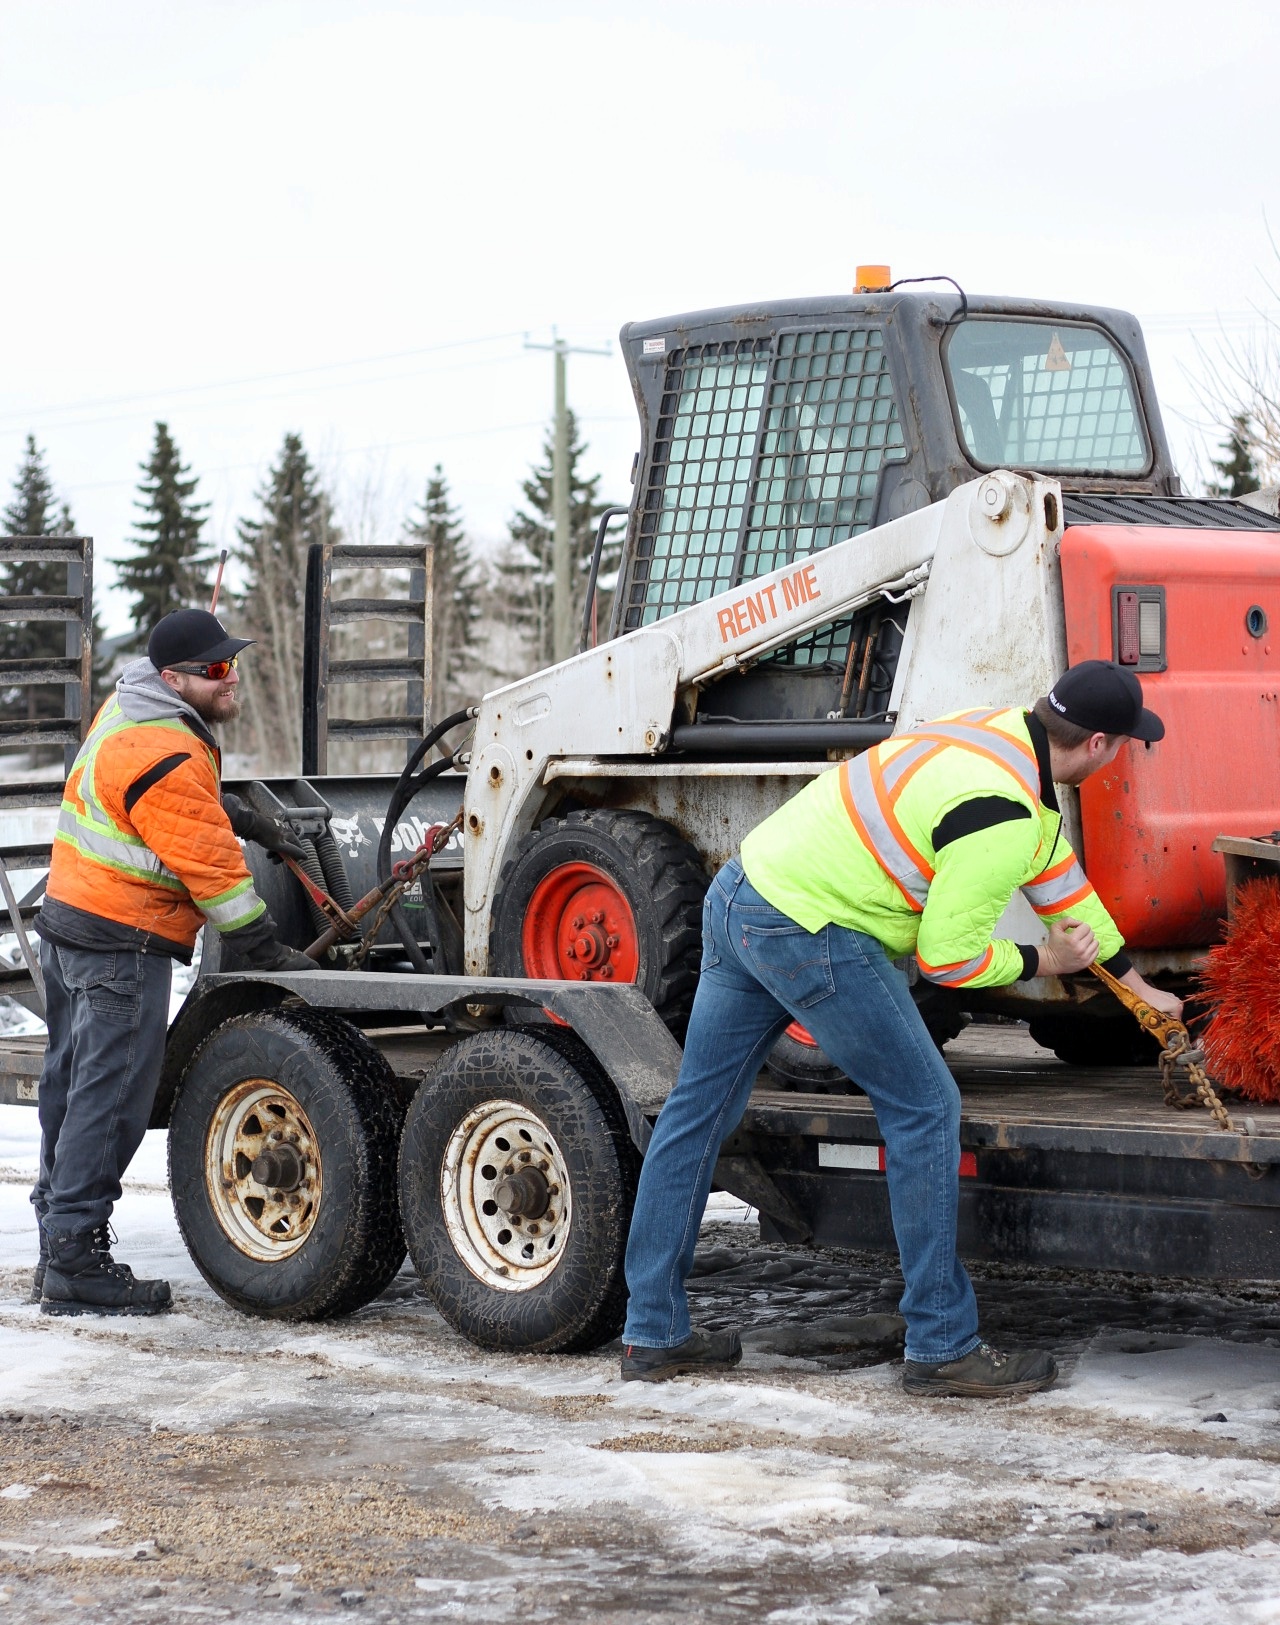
215	671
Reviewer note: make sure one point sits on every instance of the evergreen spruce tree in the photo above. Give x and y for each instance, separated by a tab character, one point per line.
532	586
455	595
296	511
168	571
1237	473
34	512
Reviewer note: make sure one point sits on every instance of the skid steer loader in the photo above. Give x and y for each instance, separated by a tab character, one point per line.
850	515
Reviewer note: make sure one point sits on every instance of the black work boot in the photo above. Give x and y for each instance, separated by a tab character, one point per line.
983	1373
37	1276
82	1278
700	1351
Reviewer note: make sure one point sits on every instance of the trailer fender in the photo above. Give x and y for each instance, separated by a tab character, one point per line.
207	1006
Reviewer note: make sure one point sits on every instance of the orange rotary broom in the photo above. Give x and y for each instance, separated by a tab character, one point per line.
1242	1039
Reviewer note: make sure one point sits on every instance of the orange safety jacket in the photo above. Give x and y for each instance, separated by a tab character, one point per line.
142	838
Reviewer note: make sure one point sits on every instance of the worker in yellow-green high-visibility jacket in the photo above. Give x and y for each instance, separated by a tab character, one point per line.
914	847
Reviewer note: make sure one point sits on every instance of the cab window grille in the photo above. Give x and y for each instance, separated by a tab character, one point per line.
755	465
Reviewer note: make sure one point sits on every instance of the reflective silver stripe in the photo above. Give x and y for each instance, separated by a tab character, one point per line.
994	743
955	975
885	846
914	750
238	907
1047	896
98	844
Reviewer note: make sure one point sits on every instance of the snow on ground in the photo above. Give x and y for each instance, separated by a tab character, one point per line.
213	1464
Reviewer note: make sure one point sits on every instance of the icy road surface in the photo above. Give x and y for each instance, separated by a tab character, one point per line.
203	1465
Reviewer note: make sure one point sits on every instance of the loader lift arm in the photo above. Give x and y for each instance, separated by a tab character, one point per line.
621	699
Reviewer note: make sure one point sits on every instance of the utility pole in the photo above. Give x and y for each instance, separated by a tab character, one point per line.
562	619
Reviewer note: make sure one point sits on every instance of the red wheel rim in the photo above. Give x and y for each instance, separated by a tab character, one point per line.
800	1034
579	927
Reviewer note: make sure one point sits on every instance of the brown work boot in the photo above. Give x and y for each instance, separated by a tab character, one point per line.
82	1278
983	1373
700	1351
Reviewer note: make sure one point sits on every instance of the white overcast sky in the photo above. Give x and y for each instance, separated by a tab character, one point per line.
246	218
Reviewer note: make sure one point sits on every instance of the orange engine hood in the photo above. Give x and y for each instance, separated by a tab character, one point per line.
1150	818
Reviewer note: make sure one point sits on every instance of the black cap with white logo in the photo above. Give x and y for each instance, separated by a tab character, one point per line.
1105	698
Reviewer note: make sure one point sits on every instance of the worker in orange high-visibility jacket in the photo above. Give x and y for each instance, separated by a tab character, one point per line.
914	848
145	853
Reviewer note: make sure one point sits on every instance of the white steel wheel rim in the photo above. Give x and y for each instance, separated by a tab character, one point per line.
508	1252
267	1224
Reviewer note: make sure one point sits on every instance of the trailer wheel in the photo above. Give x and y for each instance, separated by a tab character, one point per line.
1095	1040
517	1180
282	1163
602	895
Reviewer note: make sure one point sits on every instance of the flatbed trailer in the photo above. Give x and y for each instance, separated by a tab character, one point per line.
1062	1166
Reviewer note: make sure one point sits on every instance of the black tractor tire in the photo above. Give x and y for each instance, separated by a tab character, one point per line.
649	865
793	1064
313	1075
1095	1041
805	1068
512	1092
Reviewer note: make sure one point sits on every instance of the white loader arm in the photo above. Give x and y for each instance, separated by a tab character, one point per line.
619	699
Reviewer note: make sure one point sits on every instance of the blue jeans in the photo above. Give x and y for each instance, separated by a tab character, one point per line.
107	1014
760	971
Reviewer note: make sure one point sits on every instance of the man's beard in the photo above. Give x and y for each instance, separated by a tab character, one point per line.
221	707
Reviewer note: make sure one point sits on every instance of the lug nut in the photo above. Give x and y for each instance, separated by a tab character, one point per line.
606	971
571	952
578	922
611	941
598	917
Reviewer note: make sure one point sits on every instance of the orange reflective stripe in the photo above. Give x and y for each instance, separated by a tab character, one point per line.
888	803
864	835
979	749
1060	868
964	970
871	784
1060	905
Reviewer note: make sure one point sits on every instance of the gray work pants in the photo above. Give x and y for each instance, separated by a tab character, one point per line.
107	1015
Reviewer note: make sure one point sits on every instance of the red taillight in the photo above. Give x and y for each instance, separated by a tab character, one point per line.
1128	646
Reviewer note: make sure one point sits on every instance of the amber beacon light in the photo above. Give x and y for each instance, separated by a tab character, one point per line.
872	279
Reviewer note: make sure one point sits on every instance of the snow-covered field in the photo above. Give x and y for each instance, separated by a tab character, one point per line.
205	1464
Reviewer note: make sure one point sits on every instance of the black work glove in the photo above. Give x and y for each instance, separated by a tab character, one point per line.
251	825
290	959
258	944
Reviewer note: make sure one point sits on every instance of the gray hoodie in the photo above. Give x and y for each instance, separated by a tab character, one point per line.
145	697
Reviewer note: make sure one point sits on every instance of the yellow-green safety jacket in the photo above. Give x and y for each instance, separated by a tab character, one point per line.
921	843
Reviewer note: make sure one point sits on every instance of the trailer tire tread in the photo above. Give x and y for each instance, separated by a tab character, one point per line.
369	1097
548	1070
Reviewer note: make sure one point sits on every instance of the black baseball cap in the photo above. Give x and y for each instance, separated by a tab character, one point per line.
191	637
1105	698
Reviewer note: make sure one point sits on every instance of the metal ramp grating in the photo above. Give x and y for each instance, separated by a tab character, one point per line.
71	670
320	671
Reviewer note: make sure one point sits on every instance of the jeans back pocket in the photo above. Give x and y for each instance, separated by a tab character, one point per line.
792	963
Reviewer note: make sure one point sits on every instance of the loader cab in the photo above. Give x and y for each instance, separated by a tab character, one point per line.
772	431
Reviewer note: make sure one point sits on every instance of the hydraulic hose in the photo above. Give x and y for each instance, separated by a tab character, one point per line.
406	788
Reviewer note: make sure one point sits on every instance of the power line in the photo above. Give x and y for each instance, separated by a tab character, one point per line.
289	394
18	419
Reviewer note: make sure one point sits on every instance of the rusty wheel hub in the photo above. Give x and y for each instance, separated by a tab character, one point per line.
262	1170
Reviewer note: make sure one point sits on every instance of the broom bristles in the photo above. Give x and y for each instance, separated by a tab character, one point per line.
1242	1040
